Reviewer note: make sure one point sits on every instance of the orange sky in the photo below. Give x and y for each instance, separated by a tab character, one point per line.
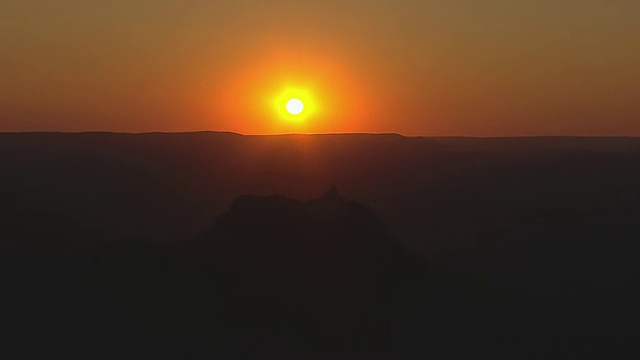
413	67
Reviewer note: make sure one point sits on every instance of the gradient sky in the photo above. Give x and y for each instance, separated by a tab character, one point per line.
415	67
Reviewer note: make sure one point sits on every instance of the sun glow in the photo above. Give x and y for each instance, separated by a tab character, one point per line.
260	97
295	104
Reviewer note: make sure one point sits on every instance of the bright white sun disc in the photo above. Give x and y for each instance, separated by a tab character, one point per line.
295	106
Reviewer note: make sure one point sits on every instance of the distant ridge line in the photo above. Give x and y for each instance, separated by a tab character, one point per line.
435	137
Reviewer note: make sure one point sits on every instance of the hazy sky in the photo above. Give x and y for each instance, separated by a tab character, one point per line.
416	67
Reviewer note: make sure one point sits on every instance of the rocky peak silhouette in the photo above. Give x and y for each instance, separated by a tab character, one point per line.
328	238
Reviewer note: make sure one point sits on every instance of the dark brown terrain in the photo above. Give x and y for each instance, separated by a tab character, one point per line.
176	246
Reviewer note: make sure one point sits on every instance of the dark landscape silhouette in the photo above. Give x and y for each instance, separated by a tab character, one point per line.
217	245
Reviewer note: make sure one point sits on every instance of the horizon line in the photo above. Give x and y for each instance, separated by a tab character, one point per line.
106	132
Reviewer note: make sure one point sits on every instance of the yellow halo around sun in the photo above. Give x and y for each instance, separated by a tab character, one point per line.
295	104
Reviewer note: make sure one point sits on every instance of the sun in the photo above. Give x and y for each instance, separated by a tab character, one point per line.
295	106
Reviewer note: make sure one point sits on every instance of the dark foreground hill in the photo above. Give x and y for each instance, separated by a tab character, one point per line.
280	278
550	222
